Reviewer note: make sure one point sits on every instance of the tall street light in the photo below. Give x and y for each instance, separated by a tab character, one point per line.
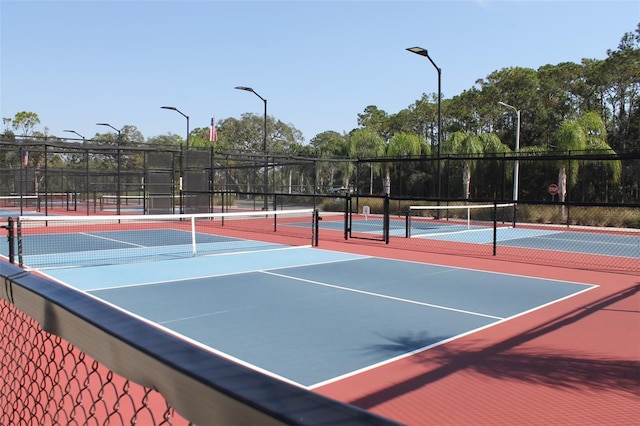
109	125
184	115
118	161
73	131
86	162
516	169
423	52
181	156
264	143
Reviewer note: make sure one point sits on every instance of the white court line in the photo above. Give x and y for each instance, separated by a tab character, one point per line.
464	231
179	336
539	234
111	239
384	296
444	341
225	274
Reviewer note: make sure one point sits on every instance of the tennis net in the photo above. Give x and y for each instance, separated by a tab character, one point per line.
70	241
20	202
427	221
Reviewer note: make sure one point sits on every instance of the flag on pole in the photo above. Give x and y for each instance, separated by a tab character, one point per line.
213	132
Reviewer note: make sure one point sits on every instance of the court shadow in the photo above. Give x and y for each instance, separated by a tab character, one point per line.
505	360
403	344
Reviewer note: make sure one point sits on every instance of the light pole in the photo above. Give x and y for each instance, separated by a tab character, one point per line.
119	167
73	131
423	52
109	125
184	115
516	169
182	161
86	164
264	143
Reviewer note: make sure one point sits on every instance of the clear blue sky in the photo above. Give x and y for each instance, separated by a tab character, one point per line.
318	63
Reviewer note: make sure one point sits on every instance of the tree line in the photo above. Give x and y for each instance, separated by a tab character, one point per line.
592	106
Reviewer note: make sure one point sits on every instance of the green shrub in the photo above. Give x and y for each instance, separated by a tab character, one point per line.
580	216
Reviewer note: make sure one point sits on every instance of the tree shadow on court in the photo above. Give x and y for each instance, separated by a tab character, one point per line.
400	345
504	360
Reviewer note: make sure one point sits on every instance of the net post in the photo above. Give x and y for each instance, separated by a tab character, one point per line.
193	236
385	223
9	228
515	212
19	232
407	223
224	197
347	205
495	227
316	227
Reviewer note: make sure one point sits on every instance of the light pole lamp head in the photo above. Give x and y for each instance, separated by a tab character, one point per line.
108	125
73	131
424	52
419	51
176	110
509	106
249	89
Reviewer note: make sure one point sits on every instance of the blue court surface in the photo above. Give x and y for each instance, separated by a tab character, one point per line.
312	316
5	213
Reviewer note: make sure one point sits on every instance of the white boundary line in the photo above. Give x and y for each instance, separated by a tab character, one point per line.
500	320
383	296
442	342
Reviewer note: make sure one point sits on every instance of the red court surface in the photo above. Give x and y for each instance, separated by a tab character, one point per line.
573	362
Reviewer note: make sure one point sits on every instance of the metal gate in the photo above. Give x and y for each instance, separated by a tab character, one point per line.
160	193
361	223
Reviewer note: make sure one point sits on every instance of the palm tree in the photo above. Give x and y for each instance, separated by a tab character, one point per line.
468	146
585	134
465	144
403	145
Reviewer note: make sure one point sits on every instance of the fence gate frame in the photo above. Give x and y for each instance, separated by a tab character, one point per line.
348	220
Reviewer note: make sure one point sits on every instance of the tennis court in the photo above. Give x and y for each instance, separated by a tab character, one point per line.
602	242
277	307
334	321
273	306
280	311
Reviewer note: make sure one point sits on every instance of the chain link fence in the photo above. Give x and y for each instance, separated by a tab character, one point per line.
48	380
599	192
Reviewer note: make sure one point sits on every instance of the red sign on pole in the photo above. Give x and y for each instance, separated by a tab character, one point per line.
553	189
